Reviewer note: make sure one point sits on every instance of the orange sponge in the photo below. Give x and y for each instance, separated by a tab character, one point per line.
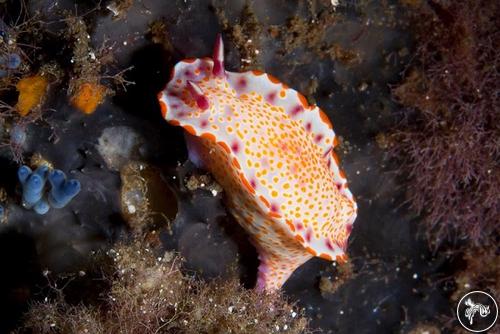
31	92
88	97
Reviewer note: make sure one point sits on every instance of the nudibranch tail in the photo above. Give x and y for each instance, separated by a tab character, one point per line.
197	94
218	58
273	272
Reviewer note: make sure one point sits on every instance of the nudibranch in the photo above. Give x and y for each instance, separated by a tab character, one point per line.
272	153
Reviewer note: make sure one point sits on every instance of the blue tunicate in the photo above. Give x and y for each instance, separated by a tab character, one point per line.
2	212
17	135
62	191
41	207
12	61
35	195
32	184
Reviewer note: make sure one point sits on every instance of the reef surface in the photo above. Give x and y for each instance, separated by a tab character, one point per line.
101	124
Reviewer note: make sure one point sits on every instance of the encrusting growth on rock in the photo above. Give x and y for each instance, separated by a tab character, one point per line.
31	90
88	97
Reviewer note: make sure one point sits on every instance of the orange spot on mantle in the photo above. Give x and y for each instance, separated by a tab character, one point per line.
236	163
224	146
311	251
208	136
299	239
273	79
264	200
325	256
341	258
335	141
190	129
303	100
325	119
163	108
273	214
336	158
247	184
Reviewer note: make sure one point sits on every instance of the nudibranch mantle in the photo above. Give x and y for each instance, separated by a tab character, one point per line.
272	153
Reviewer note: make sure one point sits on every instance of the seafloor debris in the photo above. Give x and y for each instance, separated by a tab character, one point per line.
270	207
301	32
158	33
38	160
149	294
146	200
481	272
205	182
31	90
118	145
244	34
34	189
424	328
119	8
329	285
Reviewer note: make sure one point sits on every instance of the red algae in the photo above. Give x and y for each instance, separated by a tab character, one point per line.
447	140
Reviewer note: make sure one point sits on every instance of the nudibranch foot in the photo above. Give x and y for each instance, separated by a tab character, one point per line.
272	153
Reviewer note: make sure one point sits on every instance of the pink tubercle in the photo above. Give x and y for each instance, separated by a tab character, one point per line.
242	83
218	58
318	138
235	147
271	97
308	235
348	228
297	110
197	94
